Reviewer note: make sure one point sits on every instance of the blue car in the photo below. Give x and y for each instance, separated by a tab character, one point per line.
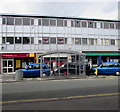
110	68
33	70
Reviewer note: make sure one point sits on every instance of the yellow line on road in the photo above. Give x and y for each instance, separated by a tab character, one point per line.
60	98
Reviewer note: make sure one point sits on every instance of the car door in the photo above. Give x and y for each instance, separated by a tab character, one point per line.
102	69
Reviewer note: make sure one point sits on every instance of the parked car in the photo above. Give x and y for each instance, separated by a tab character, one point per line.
111	68
70	68
33	70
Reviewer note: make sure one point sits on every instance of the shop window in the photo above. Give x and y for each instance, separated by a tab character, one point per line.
26	40
52	22
18	21
45	40
84	40
60	40
45	22
10	40
53	40
77	23
91	41
3	40
90	24
18	40
39	21
59	22
26	21
112	41
77	40
84	24
10	21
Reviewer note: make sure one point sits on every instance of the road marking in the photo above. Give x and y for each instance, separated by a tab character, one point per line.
60	98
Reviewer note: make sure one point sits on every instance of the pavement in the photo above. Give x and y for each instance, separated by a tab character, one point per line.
5	78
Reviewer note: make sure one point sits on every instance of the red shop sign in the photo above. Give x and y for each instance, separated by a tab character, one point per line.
10	55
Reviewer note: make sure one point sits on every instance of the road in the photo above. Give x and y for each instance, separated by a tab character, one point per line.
80	94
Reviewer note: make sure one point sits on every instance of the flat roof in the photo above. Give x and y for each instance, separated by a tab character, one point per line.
58	17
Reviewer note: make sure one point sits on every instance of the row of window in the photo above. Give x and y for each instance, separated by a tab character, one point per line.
59	22
59	40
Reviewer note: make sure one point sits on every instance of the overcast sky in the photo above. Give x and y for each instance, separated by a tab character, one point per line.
98	9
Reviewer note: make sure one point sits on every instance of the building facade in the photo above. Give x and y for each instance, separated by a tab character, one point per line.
24	37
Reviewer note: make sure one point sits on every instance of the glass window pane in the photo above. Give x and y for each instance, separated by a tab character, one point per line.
84	40
77	23
91	41
53	40
45	22
77	40
53	22
84	24
18	40
112	41
18	21
39	21
4	63
60	40
10	70
59	22
65	22
106	25
10	63
3	40
111	25
3	21
26	21
45	40
10	21
4	70
32	21
32	40
10	40
26	40
90	24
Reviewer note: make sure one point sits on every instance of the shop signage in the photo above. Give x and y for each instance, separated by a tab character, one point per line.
10	55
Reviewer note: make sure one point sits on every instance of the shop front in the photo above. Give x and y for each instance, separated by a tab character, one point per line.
99	57
11	62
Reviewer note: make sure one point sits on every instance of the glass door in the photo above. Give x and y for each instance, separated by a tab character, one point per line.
8	66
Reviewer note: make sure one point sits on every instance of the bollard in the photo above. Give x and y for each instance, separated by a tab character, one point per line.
19	75
96	72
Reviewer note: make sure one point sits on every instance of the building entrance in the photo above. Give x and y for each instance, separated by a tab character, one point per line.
7	66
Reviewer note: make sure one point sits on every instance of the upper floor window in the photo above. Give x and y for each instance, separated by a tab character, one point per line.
18	40
18	21
39	21
91	41
10	21
84	40
106	25
77	23
65	22
112	25
90	24
84	23
112	41
77	40
45	40
53	40
52	22
45	22
3	21
32	21
26	21
59	22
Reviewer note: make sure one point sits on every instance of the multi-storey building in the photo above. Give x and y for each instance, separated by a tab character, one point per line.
24	37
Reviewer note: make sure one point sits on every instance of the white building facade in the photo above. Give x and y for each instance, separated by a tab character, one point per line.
97	38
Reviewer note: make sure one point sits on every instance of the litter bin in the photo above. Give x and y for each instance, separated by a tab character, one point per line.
19	75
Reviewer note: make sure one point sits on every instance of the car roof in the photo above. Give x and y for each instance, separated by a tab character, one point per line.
110	63
37	64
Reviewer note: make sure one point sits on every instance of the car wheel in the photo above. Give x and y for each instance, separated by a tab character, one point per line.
117	73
